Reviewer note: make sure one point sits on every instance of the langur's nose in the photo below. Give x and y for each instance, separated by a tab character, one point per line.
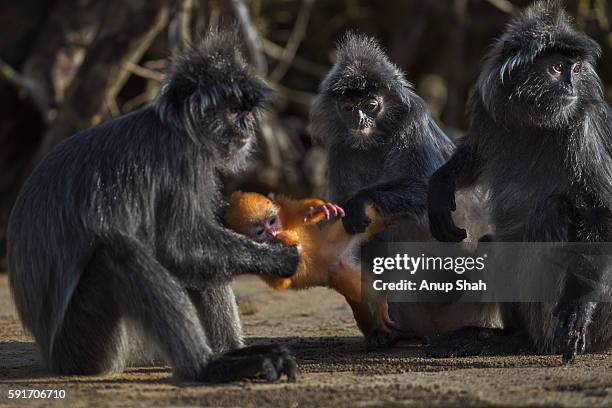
363	120
569	83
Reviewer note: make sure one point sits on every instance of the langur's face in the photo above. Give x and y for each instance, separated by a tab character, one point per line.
550	91
240	124
360	114
267	229
237	138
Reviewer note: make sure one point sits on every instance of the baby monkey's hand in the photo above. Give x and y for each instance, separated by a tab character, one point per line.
321	207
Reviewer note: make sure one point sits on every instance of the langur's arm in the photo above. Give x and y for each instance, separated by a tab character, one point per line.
460	171
402	197
196	256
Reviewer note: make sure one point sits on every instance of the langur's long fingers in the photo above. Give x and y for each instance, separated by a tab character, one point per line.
340	211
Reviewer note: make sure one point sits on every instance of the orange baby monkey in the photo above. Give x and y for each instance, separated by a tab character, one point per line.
326	251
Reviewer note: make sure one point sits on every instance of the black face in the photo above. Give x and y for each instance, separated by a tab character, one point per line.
550	90
241	123
237	136
359	114
565	74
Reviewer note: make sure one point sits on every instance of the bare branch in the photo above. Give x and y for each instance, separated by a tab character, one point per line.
251	37
140	100
300	97
143	72
158	64
179	29
297	35
301	64
504	5
600	14
102	73
33	90
295	39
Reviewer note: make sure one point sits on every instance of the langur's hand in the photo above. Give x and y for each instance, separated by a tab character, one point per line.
443	227
356	220
290	260
328	209
440	205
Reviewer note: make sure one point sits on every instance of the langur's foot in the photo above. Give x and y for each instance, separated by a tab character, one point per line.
268	363
574	318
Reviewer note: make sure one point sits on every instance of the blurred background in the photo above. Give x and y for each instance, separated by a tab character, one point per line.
66	65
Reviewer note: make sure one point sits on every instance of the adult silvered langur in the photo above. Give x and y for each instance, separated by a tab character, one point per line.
541	143
382	146
117	232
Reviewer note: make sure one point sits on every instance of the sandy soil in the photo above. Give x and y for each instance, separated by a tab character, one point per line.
335	369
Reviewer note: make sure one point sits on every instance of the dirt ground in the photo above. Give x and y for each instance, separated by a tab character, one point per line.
335	369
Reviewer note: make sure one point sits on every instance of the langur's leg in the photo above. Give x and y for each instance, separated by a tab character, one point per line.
218	313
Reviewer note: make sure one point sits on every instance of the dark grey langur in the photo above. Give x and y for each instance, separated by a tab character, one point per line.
119	227
382	147
541	142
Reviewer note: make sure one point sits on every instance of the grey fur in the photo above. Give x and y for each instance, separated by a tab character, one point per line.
117	231
390	168
546	164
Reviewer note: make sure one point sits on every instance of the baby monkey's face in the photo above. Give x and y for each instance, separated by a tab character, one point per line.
267	229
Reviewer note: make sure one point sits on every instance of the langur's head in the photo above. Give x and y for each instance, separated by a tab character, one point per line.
253	215
540	72
212	96
363	100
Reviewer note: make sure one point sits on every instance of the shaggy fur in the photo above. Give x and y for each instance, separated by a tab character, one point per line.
546	163
120	224
387	167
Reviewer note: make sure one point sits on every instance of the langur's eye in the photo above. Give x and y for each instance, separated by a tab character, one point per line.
556	69
371	105
272	221
577	68
260	231
232	113
346	106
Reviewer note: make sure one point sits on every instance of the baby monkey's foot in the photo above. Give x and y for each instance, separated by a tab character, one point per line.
376	340
383	320
381	336
328	209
